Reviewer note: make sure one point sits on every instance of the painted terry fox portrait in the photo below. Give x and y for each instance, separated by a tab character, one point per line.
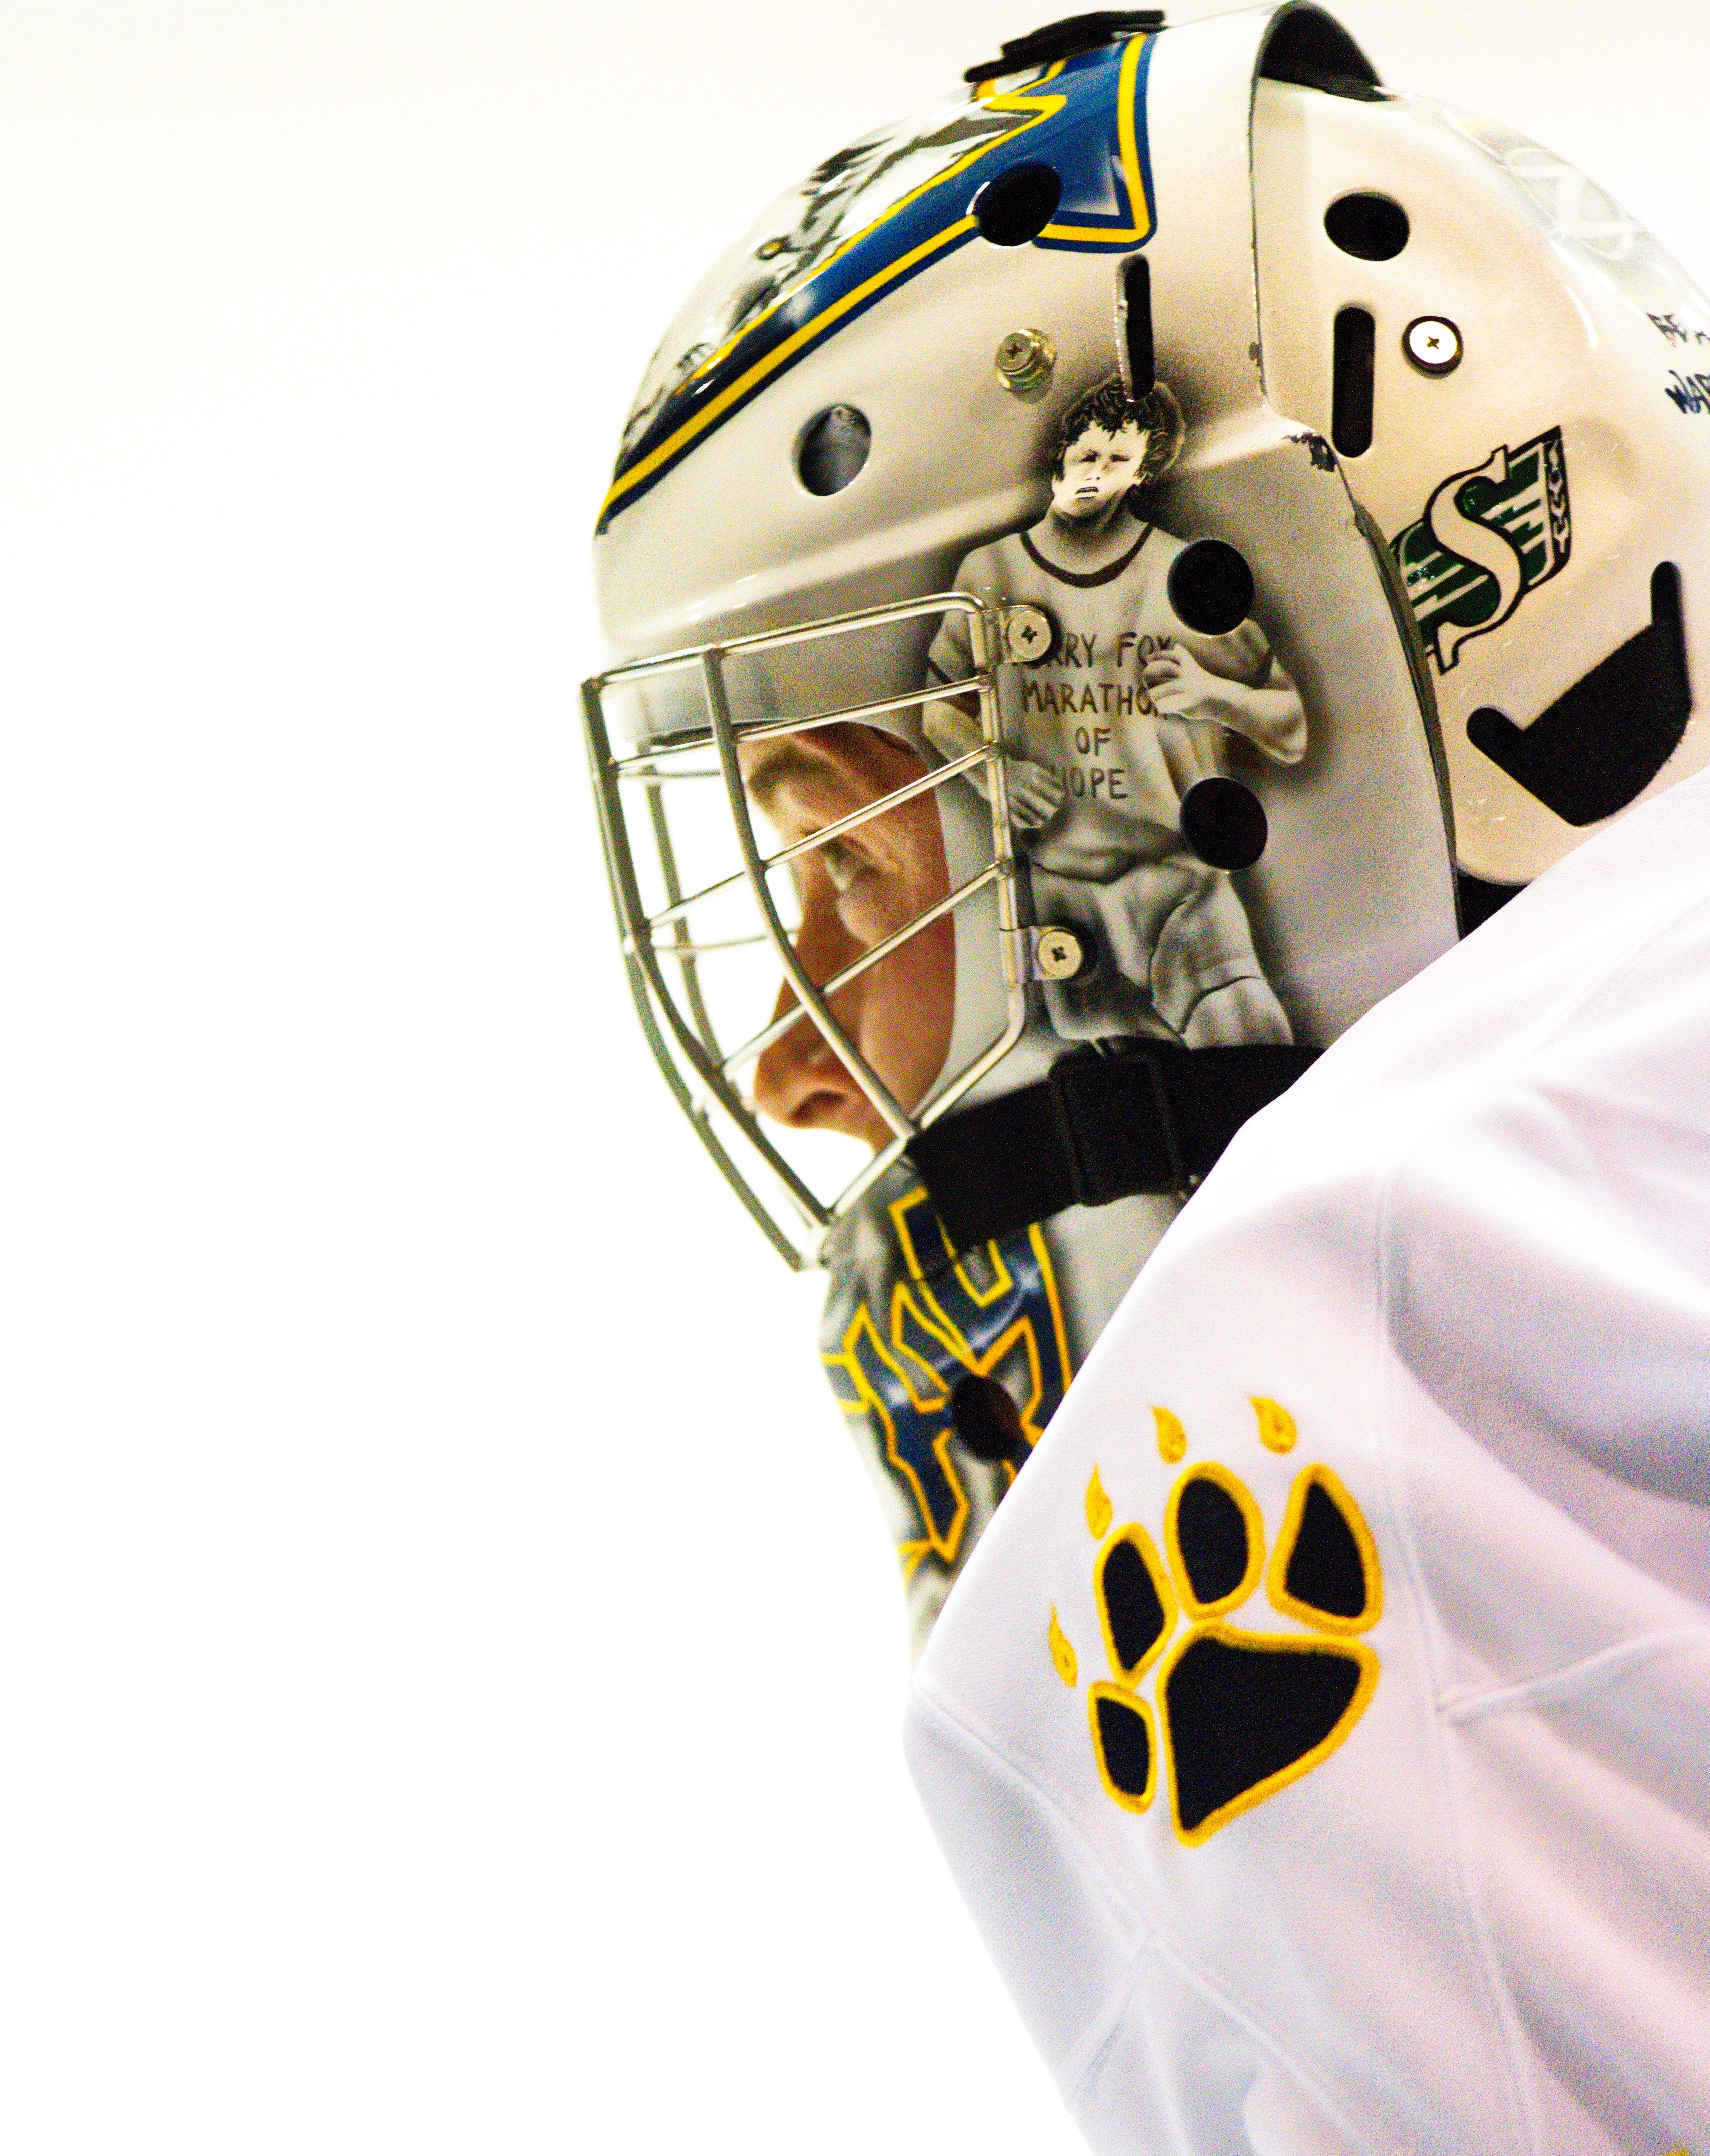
1132	709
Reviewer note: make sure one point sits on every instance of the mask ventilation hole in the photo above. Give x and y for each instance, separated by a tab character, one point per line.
1018	205
1351	383
1371	228
833	448
1210	587
1600	744
988	1421
1137	326
1224	823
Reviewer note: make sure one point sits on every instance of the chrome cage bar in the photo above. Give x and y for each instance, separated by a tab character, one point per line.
677	1025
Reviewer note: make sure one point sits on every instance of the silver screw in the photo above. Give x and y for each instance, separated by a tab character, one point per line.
1028	635
1433	343
1024	360
1059	954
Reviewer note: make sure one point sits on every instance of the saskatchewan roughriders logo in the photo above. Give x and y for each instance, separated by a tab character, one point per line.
1487	536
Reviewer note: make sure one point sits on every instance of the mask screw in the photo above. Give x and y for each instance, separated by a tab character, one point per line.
1028	635
1024	360
1433	343
1061	954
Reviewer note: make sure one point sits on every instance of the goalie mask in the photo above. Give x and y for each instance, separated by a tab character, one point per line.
1104	580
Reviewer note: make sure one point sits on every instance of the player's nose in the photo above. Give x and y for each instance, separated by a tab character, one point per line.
799	1081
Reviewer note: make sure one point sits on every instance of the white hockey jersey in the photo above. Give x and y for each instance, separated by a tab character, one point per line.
1321	1732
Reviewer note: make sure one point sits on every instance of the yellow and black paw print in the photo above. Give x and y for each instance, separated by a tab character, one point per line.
1238	1714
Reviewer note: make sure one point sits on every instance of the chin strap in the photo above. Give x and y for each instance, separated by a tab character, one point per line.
1098	1127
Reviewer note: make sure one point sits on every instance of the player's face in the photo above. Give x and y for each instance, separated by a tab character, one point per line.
855	890
1098	470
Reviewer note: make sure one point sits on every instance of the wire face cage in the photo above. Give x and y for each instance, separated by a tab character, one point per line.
710	919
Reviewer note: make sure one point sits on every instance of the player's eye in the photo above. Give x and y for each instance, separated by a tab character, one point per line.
842	865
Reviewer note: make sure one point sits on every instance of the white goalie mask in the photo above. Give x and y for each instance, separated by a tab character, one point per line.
1104	582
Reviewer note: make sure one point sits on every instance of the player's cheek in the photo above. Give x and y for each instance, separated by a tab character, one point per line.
875	905
910	1008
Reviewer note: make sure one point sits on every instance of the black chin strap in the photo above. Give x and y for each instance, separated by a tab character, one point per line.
1098	1127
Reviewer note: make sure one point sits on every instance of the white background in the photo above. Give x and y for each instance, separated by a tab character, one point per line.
449	1661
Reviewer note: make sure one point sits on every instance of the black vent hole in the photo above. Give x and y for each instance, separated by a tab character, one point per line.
833	448
1224	823
1018	205
1210	587
1352	375
988	1421
1370	227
